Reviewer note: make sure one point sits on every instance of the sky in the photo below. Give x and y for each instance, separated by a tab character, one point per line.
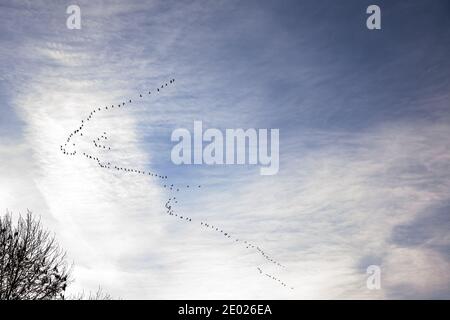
364	126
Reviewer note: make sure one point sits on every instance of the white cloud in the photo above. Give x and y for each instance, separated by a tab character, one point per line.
330	210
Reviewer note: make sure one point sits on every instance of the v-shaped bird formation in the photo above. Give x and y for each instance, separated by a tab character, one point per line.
101	142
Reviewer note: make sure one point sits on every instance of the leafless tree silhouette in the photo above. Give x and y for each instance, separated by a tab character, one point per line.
98	295
32	266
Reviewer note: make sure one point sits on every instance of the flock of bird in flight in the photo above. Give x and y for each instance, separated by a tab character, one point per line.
100	142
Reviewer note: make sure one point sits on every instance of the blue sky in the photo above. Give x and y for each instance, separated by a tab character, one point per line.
364	149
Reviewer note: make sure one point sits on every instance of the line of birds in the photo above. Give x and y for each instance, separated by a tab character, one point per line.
101	146
273	278
248	245
100	143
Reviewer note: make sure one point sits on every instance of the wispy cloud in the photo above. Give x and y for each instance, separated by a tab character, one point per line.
364	148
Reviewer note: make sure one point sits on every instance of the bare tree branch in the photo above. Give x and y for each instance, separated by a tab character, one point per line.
32	266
